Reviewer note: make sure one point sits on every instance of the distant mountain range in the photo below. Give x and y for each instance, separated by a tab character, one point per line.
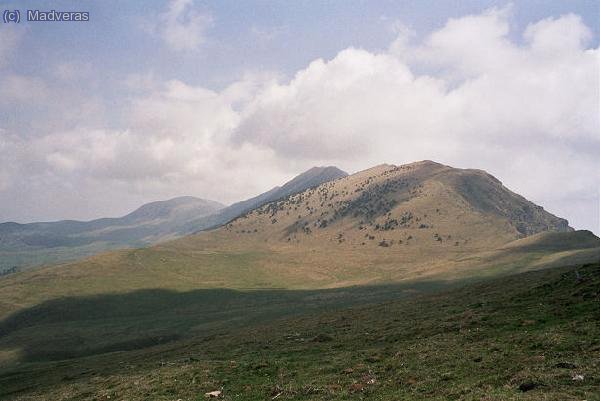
27	245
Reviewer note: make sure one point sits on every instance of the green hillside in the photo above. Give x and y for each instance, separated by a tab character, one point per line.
531	336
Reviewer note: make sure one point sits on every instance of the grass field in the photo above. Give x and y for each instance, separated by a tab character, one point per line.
522	337
214	260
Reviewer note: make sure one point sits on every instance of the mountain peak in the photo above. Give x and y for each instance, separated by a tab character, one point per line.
161	209
310	178
423	202
426	163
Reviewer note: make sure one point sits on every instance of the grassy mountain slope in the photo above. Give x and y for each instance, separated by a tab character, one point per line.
309	179
425	201
386	224
522	337
24	245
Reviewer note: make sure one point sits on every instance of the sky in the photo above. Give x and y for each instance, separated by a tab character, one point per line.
226	99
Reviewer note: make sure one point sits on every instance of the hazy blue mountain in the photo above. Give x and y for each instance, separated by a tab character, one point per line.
32	244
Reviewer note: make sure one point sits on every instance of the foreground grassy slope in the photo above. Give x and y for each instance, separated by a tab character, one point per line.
213	260
75	327
522	337
134	299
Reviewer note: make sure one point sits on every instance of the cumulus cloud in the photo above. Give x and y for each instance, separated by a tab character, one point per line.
176	143
361	102
468	95
341	108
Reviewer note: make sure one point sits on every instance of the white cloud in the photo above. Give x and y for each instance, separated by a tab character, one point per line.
336	109
466	95
468	46
565	34
177	143
182	27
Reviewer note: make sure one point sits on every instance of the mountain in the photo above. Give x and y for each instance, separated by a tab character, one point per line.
38	243
309	179
420	221
24	245
386	233
433	204
387	223
150	220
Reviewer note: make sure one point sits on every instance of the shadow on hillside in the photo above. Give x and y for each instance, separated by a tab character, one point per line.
82	326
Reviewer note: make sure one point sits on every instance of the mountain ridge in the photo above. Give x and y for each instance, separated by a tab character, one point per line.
38	243
313	177
374	193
